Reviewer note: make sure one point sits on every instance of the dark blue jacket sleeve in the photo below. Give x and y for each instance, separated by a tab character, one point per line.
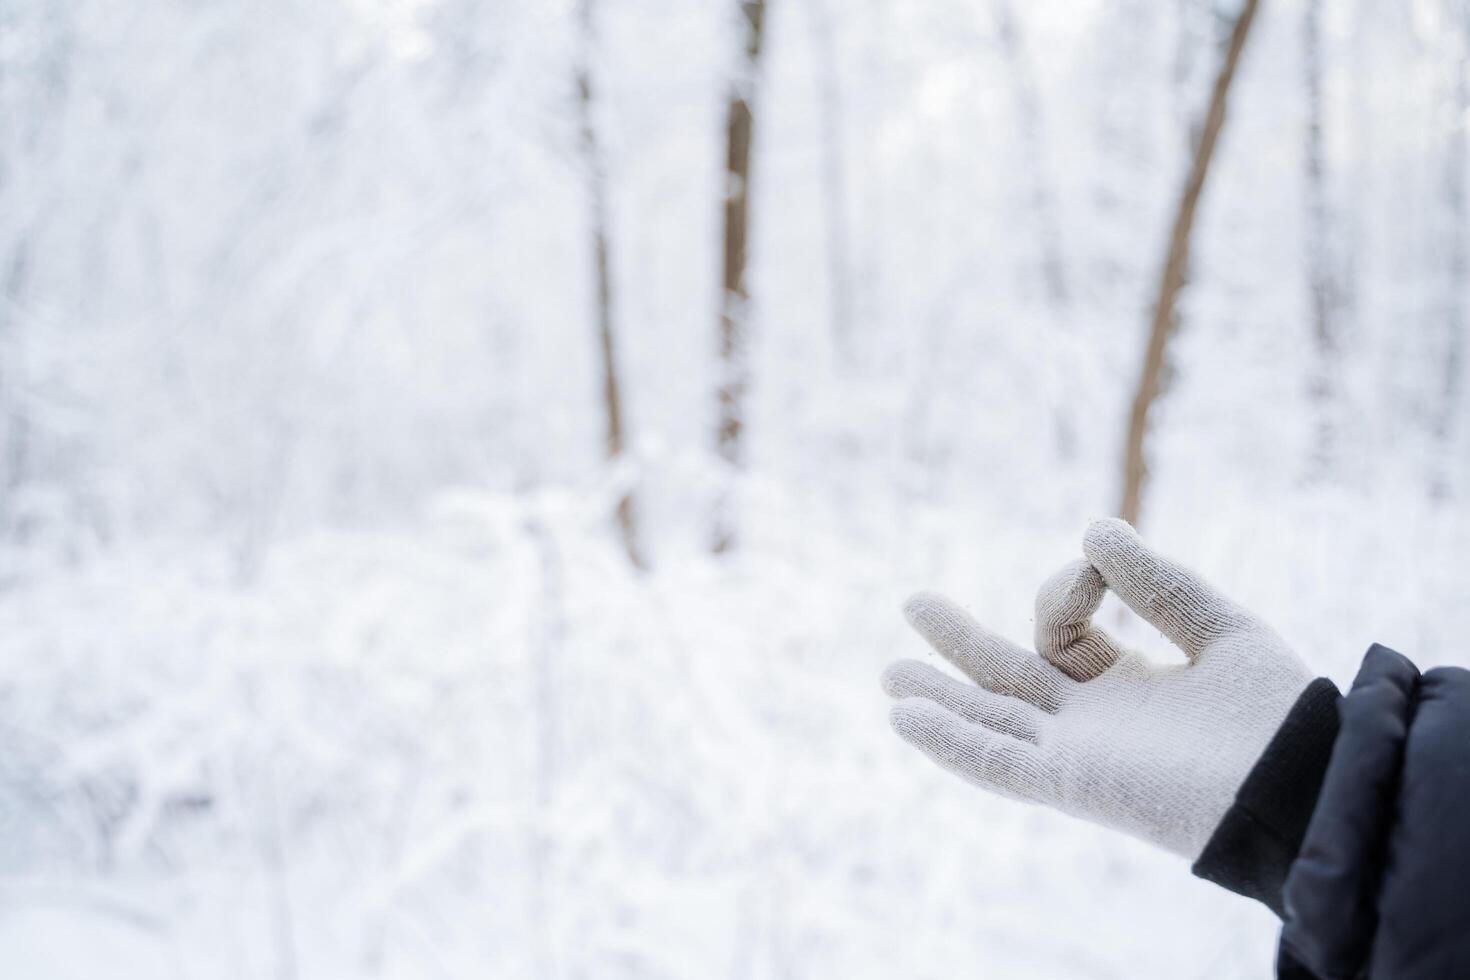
1424	897
1330	895
1259	837
1377	884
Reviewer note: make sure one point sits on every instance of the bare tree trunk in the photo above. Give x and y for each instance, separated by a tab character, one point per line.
1457	253
1028	119
612	399
14	427
1321	280
14	430
734	297
1176	264
1043	206
834	180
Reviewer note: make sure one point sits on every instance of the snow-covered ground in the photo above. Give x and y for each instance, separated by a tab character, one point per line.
319	655
478	746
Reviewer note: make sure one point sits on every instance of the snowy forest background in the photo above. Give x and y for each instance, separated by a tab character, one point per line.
452	527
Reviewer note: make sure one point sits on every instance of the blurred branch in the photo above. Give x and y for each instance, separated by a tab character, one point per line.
735	296
550	633
834	177
1030	123
596	170
1322	282
1176	266
1456	250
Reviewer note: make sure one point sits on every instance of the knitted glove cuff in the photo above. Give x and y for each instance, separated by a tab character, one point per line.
1257	840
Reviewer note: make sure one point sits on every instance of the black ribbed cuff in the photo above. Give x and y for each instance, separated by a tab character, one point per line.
1253	847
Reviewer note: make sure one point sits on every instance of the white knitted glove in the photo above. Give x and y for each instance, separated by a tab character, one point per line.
1089	728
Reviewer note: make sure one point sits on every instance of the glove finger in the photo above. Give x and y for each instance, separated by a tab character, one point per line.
994	663
987	758
1009	716
1065	636
1185	608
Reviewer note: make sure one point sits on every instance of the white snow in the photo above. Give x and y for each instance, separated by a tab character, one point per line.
319	656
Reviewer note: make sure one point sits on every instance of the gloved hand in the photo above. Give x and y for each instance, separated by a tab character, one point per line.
1090	728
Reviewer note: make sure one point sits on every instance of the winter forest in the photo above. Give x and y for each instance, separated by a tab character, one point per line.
461	463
